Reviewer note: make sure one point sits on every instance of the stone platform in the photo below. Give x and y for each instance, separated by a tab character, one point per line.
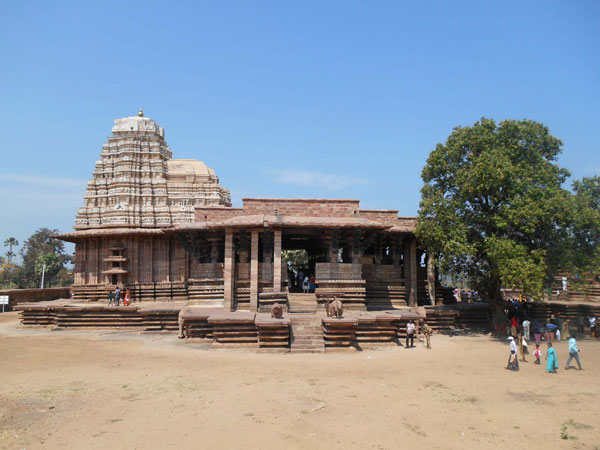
304	332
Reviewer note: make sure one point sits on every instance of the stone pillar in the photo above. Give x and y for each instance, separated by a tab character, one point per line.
277	261
431	278
254	271
229	272
356	247
413	273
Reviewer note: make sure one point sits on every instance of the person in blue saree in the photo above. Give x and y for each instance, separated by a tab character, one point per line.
552	360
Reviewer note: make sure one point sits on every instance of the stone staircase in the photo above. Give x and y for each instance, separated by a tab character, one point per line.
302	303
306	334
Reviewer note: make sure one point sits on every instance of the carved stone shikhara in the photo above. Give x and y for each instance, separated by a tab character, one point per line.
136	183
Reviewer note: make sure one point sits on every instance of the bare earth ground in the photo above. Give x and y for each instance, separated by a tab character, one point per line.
107	390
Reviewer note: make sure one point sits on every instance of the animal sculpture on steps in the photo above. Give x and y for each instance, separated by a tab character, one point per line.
276	311
334	308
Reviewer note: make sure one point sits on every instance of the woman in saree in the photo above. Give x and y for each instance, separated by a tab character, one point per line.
552	360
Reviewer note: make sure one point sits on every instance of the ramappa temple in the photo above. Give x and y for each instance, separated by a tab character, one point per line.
165	229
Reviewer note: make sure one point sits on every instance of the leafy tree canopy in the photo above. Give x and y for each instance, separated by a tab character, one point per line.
585	249
38	244
493	207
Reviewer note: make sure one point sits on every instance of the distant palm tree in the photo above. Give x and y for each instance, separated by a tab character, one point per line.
10	242
9	255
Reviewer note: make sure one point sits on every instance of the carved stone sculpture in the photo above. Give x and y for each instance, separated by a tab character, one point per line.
276	311
335	308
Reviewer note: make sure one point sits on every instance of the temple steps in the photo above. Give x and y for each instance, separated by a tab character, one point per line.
306	334
302	303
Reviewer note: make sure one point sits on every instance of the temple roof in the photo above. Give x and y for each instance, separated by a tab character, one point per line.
188	168
267	220
99	232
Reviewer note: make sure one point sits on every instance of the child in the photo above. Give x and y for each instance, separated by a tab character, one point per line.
537	353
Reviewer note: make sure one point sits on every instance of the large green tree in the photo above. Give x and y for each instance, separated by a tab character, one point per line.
493	207
40	243
585	248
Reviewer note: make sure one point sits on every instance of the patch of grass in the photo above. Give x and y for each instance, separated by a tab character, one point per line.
564	433
577	425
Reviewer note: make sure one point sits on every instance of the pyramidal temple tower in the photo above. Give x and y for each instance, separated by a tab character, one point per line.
136	183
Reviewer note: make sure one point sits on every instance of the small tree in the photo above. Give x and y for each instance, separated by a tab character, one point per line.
493	206
48	265
9	274
39	243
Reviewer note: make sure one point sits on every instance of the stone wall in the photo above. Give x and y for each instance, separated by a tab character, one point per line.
34	295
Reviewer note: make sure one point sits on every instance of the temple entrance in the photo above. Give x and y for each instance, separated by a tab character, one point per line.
300	252
115	278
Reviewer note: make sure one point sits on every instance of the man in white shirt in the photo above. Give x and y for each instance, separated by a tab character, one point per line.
526	325
410	333
513	359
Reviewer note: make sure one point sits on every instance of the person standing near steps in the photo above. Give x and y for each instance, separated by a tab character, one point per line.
410	333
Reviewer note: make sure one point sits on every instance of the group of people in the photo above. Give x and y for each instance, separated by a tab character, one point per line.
411	332
556	328
115	298
551	356
466	295
298	281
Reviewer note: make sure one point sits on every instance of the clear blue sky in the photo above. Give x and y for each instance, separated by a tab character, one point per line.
337	99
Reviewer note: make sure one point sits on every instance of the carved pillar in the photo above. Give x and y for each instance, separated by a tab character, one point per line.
356	248
229	272
406	270
243	245
254	271
277	261
334	246
214	250
413	273
397	249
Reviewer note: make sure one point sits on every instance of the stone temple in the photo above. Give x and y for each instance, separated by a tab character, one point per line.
165	229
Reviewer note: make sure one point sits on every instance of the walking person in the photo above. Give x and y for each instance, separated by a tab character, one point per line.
559	328
427	331
592	320
117	296
306	285
126	301
523	347
513	326
551	359
526	328
537	353
410	333
111	298
573	352
513	359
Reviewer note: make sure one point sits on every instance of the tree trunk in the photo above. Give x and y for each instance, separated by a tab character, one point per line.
496	303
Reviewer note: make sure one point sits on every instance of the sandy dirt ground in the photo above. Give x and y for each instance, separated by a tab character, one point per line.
109	390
